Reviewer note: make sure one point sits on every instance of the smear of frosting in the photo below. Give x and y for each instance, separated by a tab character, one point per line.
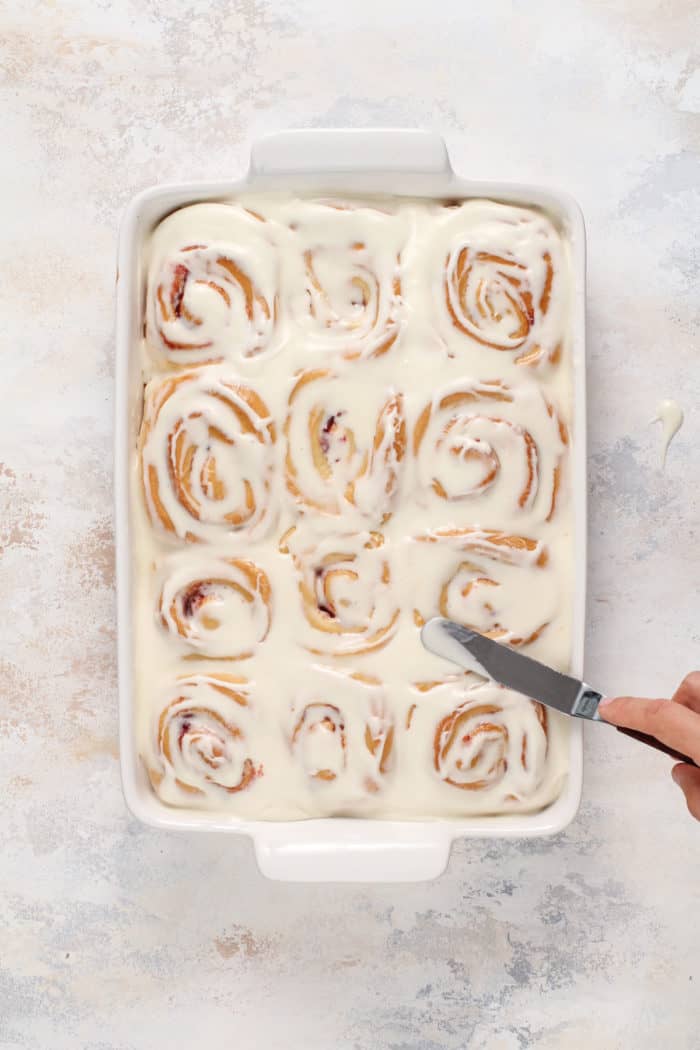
670	414
437	640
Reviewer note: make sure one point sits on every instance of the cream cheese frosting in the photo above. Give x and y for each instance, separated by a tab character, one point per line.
356	416
670	414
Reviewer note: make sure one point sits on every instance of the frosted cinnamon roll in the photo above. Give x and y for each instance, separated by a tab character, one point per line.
498	449
215	606
485	739
342	737
345	586
319	737
206	447
215	299
345	446
200	751
497	583
503	276
344	277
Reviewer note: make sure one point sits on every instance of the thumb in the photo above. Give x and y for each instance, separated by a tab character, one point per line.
688	779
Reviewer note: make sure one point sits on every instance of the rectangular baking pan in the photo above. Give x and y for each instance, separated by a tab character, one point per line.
398	162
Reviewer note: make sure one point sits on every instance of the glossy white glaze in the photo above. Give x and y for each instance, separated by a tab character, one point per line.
438	641
301	509
670	414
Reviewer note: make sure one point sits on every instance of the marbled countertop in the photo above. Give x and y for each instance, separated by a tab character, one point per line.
116	937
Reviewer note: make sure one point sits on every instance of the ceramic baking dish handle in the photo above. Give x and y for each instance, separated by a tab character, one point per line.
321	151
334	854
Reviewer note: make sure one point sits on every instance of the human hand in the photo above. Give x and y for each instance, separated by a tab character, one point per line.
675	722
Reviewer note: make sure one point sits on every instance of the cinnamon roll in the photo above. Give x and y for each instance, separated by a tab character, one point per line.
215	299
345	281
497	583
320	734
215	606
200	749
504	281
345	446
344	747
486	739
206	447
345	585
497	448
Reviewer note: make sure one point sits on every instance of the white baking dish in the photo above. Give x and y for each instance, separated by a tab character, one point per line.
398	162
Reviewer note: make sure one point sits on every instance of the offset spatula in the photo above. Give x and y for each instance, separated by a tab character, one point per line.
510	668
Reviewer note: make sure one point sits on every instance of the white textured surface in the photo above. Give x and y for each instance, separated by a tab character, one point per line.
116	937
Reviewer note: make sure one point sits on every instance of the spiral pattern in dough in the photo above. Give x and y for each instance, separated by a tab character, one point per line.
498	447
503	283
319	735
488	740
474	578
356	753
346	287
346	593
206	453
217	300
200	743
483	738
342	461
215	606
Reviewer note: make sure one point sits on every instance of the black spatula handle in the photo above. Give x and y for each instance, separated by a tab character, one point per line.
651	741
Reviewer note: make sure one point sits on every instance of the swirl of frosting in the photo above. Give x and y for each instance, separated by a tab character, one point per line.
200	744
350	742
503	446
210	301
206	453
346	285
498	584
504	280
345	446
215	606
490	738
346	593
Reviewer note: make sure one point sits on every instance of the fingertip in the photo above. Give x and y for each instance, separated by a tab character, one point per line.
608	707
686	775
688	779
